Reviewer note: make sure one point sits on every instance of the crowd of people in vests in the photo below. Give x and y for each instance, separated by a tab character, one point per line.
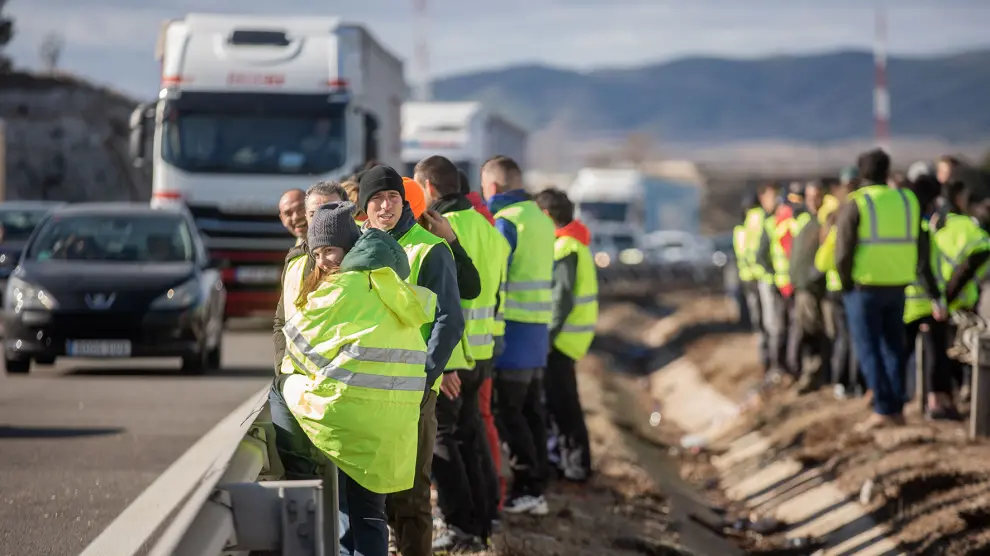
841	277
425	333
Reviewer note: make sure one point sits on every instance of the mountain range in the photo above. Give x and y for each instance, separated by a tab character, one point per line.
817	98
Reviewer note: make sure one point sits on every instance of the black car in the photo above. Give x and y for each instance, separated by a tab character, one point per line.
17	220
114	280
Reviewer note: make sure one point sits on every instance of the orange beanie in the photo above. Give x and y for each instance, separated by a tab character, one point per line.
415	196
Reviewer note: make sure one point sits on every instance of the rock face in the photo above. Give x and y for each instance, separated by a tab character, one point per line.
67	140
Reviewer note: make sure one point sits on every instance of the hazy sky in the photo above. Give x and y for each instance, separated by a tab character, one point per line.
112	41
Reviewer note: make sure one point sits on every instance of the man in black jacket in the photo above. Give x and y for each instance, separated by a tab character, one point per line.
382	196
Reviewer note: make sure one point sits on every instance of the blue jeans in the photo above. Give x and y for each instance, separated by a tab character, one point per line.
876	324
362	525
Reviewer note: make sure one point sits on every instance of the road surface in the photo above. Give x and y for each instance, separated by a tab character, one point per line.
80	440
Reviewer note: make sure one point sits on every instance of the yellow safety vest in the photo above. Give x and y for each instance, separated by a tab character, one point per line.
755	218
959	238
739	246
295	274
484	244
417	242
357	358
917	302
887	252
527	293
781	265
578	331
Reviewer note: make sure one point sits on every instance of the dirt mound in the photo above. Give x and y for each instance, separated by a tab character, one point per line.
926	482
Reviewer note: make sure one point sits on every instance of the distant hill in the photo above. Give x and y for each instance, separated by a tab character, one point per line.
808	98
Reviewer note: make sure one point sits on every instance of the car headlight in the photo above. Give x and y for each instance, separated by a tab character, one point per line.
21	295
631	256
602	259
180	297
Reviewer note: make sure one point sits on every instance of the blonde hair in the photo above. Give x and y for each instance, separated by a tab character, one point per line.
311	282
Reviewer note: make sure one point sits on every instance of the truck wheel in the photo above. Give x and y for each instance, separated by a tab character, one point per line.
17	366
196	364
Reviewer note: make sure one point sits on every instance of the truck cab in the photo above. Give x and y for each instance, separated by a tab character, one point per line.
250	107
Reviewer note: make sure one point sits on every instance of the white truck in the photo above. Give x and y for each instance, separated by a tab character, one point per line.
467	133
251	106
623	207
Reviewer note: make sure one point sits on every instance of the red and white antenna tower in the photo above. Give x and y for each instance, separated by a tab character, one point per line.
881	96
423	92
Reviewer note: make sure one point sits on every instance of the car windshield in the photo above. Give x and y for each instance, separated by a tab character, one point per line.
146	239
17	224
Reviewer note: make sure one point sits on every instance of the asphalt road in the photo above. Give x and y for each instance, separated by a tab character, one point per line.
80	440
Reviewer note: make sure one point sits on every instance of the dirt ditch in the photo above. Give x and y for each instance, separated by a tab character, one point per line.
925	482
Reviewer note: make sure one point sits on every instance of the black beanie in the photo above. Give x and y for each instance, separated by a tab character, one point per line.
378	179
333	226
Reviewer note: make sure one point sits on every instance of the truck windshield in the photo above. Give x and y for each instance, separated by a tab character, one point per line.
602	211
258	135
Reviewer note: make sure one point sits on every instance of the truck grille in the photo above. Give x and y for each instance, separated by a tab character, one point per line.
241	232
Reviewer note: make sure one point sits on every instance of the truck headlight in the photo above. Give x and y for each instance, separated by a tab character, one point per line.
631	256
182	296
21	295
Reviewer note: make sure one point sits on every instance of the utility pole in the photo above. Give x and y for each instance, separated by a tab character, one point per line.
881	96
423	92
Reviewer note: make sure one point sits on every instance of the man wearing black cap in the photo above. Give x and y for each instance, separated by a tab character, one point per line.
381	194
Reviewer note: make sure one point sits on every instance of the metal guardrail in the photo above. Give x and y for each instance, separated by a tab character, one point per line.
224	496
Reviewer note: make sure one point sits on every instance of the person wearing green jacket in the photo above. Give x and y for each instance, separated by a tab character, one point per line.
354	372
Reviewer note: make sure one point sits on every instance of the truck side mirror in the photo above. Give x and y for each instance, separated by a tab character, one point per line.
141	118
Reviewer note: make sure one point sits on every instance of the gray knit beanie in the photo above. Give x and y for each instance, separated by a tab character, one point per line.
333	226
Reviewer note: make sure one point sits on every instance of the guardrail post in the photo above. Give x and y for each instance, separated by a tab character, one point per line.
331	510
979	421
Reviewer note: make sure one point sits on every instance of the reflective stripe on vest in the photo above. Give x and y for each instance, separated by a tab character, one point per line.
887	251
295	273
527	294
957	240
417	242
486	247
578	331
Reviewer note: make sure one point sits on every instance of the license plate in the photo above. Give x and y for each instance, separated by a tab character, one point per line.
98	348
259	274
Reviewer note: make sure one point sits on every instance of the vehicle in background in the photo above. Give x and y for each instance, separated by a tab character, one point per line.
613	244
251	106
644	203
467	133
683	253
111	280
18	219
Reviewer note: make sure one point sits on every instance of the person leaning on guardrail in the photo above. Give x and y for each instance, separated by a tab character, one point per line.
298	264
353	375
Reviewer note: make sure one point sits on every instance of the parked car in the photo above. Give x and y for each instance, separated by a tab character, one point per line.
114	280
18	220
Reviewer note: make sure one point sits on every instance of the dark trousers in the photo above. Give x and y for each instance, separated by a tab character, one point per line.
462	463
940	372
876	322
522	426
410	512
362	512
564	409
844	366
811	348
773	307
751	292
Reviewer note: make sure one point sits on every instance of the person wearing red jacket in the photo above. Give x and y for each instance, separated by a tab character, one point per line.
485	394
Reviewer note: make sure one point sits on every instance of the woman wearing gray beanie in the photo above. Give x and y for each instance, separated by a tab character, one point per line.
354	373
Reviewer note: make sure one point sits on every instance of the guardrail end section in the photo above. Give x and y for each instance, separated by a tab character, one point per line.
281	516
